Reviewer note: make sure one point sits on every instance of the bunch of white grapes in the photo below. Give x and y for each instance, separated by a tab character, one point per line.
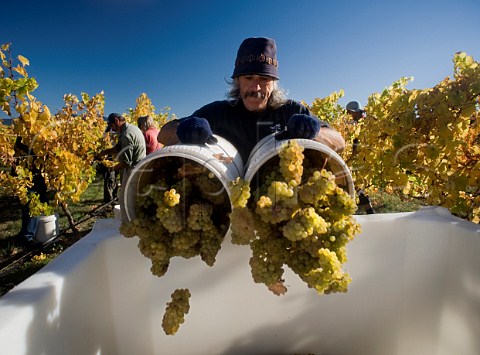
175	214
175	311
297	217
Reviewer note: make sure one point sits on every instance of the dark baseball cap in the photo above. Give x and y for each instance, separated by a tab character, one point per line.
354	106
111	119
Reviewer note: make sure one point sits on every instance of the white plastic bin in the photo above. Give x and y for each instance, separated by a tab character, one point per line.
415	290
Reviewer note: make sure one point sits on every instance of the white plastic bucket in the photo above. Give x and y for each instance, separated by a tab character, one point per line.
47	228
268	148
222	159
117	213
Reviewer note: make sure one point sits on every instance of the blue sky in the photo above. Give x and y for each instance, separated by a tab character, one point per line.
180	52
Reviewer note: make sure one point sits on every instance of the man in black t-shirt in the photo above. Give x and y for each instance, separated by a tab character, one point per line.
256	107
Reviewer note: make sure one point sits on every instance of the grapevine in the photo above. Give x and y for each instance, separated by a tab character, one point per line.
418	142
144	107
297	217
58	147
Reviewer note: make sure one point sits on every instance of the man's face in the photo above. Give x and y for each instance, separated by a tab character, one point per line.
356	115
255	91
114	125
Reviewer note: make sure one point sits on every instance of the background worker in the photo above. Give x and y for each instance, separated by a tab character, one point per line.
356	111
24	154
150	133
128	151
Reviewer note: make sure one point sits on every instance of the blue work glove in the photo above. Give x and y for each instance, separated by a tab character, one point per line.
195	130
301	126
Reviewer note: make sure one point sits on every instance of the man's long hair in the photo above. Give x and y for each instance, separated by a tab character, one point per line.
277	98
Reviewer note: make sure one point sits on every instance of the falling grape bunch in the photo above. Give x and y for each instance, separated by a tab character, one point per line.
175	312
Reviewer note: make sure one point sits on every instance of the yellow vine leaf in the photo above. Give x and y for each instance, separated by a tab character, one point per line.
20	70
23	60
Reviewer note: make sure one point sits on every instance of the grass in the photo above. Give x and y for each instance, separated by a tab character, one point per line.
387	203
17	263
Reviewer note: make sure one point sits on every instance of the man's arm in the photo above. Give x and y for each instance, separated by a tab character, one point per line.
168	133
120	166
331	138
110	151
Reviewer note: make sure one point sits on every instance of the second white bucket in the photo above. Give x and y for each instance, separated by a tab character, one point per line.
222	159
47	228
268	148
